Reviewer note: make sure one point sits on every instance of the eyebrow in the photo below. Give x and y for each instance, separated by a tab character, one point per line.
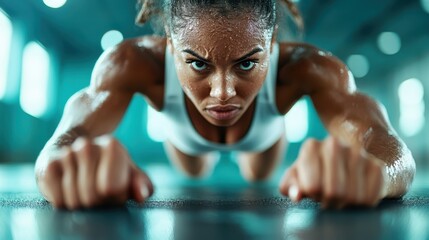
255	50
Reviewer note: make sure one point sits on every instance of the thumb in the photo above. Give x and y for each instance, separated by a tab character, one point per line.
141	188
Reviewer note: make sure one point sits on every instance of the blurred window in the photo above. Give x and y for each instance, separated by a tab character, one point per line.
54	3
5	45
35	80
412	107
111	38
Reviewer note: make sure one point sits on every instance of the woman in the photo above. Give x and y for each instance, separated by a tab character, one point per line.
223	82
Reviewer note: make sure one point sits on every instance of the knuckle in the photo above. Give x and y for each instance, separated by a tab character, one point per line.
79	143
332	144
110	148
111	141
106	141
66	152
86	147
85	150
68	156
53	169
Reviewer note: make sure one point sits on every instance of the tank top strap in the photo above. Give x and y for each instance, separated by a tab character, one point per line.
268	91
171	80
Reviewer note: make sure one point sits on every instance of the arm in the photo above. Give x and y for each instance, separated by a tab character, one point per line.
358	120
362	135
69	172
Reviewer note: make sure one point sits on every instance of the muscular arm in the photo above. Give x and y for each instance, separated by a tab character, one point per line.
92	170
357	119
95	110
363	160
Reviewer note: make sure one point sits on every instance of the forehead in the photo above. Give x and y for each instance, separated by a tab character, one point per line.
219	33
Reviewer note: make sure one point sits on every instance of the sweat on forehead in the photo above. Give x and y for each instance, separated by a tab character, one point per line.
180	12
240	30
215	41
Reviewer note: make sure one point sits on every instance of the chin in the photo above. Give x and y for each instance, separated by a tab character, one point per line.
222	123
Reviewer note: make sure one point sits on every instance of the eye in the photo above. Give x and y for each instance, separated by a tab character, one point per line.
198	65
247	65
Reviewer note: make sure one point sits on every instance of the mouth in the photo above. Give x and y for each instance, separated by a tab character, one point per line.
223	112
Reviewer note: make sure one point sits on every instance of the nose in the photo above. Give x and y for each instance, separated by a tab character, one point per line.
222	88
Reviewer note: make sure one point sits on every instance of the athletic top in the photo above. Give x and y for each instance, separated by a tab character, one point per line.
266	127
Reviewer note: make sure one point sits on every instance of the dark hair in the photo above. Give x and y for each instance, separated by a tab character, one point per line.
173	10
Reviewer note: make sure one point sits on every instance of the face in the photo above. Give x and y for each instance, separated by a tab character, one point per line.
221	64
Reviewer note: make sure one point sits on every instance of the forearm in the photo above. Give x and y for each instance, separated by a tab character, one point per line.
385	145
399	162
366	126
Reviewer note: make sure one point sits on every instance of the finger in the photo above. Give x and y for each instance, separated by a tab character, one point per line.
87	158
51	184
285	181
310	170
375	183
289	185
141	187
334	176
69	183
356	179
361	180
112	173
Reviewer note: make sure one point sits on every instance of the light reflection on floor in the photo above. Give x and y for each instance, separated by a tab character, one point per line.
214	208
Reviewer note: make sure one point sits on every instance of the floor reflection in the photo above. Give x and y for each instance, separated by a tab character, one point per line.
220	207
48	224
196	213
394	222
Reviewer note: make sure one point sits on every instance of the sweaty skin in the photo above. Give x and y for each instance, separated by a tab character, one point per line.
224	62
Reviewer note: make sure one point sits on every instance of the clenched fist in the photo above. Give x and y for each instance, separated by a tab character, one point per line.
91	173
336	175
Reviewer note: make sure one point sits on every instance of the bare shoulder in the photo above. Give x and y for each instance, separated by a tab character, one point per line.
312	69
134	65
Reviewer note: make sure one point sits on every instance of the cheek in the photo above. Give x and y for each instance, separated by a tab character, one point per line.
251	86
195	89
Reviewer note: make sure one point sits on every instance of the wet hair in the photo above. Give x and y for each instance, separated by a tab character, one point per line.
175	12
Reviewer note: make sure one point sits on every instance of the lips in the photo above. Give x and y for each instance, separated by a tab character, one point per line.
223	112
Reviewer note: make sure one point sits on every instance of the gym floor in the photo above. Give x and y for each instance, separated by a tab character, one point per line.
222	206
